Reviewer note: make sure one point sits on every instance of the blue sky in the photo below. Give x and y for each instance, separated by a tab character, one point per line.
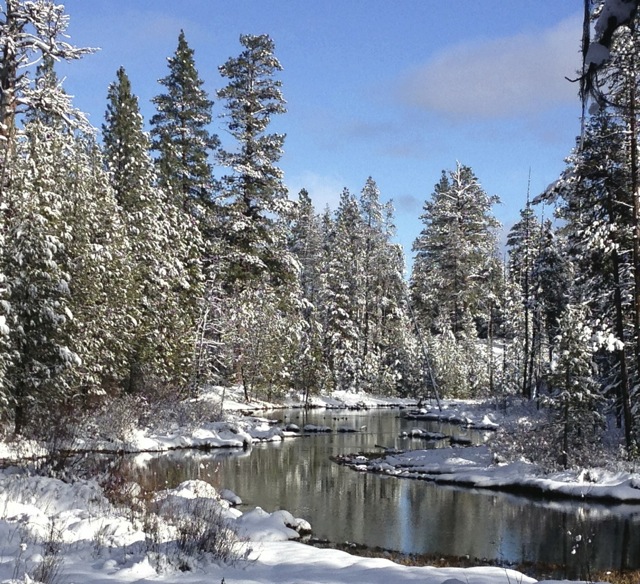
394	89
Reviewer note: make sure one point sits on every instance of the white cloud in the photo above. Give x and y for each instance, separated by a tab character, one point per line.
323	190
520	74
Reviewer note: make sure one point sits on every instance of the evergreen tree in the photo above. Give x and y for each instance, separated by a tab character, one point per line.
305	242
575	395
257	209
260	274
343	300
456	262
179	132
594	199
384	322
524	241
29	33
368	342
64	261
165	280
456	280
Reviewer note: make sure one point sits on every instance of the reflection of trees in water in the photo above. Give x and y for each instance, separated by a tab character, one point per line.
410	515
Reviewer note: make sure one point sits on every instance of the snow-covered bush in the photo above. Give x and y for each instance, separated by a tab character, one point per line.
533	437
199	524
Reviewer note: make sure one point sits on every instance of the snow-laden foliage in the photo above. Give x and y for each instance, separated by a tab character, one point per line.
595	199
357	333
31	31
456	278
575	394
180	133
63	260
255	197
455	267
164	281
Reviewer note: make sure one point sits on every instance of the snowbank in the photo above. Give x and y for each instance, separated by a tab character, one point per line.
476	467
96	543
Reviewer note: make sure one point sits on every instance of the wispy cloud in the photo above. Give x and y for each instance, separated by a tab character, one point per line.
324	190
509	76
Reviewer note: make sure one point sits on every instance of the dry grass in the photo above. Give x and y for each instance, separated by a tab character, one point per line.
628	577
535	570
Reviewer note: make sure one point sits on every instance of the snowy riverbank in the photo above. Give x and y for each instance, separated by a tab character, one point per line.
70	532
476	467
53	531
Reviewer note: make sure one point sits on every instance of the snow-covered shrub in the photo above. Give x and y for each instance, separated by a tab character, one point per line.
200	524
170	410
49	569
117	418
460	364
204	530
574	398
533	438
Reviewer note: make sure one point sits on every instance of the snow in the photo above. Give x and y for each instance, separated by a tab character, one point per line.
617	11
476	467
100	543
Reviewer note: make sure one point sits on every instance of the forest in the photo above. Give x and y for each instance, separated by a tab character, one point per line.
148	265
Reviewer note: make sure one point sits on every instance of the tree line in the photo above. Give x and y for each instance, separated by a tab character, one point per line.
133	263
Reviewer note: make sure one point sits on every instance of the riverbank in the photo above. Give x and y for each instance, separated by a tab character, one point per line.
477	467
70	531
52	531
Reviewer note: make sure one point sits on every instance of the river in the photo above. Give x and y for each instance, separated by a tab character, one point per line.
409	516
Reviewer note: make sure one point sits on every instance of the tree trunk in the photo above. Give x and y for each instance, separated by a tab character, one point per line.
623	391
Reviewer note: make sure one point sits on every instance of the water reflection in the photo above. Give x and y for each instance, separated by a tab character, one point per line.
406	515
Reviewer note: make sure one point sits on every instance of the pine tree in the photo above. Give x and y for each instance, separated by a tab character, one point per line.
29	33
305	242
260	274
456	280
344	300
384	322
64	261
179	133
165	280
257	209
524	242
575	395
455	262
368	343
595	202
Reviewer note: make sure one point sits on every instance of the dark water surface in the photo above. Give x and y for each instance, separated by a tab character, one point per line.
409	516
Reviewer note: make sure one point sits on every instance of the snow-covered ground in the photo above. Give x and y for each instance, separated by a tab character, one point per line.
476	467
480	467
53	531
56	531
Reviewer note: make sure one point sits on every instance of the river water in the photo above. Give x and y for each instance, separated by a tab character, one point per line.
405	515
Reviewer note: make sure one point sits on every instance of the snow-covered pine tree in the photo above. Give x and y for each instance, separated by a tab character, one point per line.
575	392
260	274
344	299
305	242
165	281
593	197
65	261
36	265
257	210
385	323
455	253
368	341
29	32
457	277
180	135
523	243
